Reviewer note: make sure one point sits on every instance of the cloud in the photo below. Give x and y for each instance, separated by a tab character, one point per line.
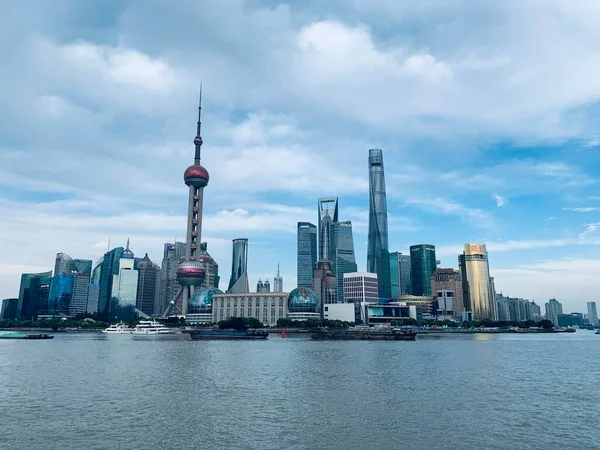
590	228
500	201
583	209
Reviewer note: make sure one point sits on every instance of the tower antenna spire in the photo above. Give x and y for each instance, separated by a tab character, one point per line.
198	138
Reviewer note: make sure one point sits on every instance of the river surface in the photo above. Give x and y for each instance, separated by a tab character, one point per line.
91	391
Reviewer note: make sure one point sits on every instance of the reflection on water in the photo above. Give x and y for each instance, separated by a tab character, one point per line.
95	392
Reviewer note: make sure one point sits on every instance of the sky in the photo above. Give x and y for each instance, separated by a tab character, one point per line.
487	113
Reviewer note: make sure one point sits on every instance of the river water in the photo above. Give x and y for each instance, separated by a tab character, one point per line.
90	391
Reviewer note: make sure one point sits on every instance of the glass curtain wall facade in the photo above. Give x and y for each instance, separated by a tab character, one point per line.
422	264
146	289
307	254
378	258
328	213
61	293
342	253
238	283
108	269
34	292
478	296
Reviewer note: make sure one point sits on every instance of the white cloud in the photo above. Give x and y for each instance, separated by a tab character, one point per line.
500	201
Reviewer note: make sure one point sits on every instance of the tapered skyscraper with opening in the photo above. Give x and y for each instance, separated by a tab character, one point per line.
191	271
378	258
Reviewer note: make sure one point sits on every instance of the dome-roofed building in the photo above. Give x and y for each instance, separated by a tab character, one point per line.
303	304
201	301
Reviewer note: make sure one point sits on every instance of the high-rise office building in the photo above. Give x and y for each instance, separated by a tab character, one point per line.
328	214
124	288
553	309
278	281
93	295
238	283
211	267
108	267
69	287
359	288
9	308
422	266
478	297
34	292
148	273
61	292
400	274
325	284
341	253
592	313
448	281
168	286
191	273
307	254
378	259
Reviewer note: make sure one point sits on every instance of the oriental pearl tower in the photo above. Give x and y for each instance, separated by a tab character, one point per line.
191	272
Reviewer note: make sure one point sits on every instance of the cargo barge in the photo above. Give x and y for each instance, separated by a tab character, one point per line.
228	335
367	335
25	336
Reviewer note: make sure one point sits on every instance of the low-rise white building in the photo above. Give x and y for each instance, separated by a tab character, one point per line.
339	311
266	307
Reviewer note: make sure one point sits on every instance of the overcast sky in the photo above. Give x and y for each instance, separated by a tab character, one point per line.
487	113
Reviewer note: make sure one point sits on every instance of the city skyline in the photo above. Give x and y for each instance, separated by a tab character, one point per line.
523	184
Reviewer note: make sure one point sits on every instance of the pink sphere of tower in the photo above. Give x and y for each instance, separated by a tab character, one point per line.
191	273
196	176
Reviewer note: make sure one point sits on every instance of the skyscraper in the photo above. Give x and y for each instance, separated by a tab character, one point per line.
191	272
278	281
325	284
61	292
448	282
109	267
238	283
33	295
478	297
124	288
378	259
400	274
553	309
146	287
592	313
210	266
422	266
70	285
307	254
328	214
168	286
341	253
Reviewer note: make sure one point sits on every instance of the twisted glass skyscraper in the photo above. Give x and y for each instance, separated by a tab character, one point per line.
378	257
238	282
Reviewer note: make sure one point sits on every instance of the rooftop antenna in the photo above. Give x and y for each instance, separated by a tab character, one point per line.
127	247
198	138
108	245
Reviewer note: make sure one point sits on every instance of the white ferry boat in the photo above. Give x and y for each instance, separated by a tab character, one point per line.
118	328
151	327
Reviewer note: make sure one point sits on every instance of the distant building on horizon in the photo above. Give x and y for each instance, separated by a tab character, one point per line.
106	268
553	309
263	286
69	287
278	281
517	309
307	254
238	283
400	283
592	314
478	295
378	258
423	264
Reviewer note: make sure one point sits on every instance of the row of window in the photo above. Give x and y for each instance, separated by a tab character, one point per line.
271	301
